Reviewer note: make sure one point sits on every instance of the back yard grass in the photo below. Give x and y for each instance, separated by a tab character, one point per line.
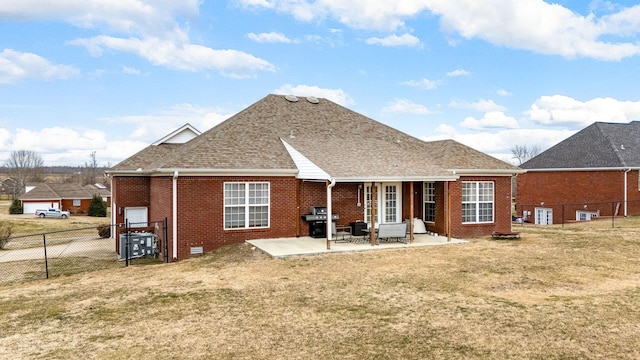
553	294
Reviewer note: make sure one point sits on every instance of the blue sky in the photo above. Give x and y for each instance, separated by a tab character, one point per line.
78	76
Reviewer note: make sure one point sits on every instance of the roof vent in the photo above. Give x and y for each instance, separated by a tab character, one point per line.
291	98
313	100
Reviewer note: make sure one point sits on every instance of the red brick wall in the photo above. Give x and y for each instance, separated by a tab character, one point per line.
201	212
161	196
502	208
596	189
344	202
129	191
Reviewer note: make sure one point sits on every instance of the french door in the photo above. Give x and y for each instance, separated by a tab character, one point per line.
388	203
544	216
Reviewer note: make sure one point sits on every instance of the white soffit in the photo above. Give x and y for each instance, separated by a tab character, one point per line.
307	170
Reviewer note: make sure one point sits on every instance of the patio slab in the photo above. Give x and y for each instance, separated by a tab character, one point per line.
305	245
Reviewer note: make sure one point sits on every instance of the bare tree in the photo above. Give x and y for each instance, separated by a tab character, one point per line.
523	153
23	166
90	169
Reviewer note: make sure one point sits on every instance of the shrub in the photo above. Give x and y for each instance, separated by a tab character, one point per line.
98	207
16	207
5	234
104	231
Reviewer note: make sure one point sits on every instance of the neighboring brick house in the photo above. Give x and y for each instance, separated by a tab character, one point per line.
256	175
71	197
592	173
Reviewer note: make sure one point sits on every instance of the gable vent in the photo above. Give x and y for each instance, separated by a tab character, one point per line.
313	100
291	98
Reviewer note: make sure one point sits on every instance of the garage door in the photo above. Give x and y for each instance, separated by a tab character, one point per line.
31	207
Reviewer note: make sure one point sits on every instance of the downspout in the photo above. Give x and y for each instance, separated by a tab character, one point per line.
625	191
174	215
330	184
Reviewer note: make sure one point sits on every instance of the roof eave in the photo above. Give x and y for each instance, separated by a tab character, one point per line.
618	168
204	172
488	172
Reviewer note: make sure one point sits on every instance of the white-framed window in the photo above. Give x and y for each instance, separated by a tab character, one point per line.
76	202
586	215
246	205
477	201
429	201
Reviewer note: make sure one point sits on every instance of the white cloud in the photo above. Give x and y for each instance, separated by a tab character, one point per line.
481	105
458	72
338	96
500	143
181	55
16	65
423	83
542	27
404	106
148	17
155	33
272	37
567	111
395	40
503	92
360	14
146	128
492	119
533	25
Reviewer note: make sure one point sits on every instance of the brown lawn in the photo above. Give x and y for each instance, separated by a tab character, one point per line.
553	294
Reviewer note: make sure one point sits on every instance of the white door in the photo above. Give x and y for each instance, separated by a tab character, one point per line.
136	216
544	216
388	203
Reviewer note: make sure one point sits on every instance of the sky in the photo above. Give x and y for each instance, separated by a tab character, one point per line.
114	76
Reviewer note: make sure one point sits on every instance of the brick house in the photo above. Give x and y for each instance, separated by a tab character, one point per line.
257	174
592	173
70	197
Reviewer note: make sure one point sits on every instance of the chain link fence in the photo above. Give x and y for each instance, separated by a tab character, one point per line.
45	255
605	214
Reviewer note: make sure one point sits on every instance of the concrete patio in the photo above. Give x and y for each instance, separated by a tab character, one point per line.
305	245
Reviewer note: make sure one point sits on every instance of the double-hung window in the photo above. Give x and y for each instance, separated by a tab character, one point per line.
477	201
429	201
246	205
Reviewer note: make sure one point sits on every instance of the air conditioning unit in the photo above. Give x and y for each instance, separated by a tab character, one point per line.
139	245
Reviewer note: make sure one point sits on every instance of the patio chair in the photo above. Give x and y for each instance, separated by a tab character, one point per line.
340	233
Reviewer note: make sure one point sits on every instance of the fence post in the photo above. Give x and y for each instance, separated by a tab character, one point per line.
46	261
126	242
612	214
165	229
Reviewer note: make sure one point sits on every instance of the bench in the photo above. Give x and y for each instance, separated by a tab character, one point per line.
393	231
505	235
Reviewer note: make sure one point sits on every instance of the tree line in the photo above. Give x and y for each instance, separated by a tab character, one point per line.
26	166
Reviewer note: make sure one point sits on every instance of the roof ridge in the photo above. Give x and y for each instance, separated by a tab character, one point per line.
611	141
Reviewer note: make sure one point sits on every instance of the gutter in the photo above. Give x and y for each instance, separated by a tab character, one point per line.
174	215
585	169
204	172
330	184
489	172
625	191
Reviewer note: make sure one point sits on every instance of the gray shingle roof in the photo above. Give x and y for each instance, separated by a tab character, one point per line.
342	142
600	145
63	191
